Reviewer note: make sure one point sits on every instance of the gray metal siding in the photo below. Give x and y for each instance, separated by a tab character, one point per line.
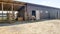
52	13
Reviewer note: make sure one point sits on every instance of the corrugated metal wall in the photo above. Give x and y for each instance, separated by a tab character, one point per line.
45	12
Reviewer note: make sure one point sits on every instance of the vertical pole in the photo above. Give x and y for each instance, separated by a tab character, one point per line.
25	14
7	16
2	10
12	12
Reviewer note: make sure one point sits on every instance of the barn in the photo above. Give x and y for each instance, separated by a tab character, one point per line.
22	11
42	12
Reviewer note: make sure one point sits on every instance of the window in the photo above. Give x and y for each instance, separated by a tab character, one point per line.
34	13
46	11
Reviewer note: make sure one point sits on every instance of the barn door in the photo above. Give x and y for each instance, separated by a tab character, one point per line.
37	15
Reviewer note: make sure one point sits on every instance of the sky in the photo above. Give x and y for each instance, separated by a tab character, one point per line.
51	3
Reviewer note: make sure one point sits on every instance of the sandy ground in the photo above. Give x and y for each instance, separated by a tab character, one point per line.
43	27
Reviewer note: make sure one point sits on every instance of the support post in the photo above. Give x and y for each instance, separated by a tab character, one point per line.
12	12
2	10
25	14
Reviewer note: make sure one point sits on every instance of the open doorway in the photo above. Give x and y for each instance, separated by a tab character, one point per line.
19	13
36	14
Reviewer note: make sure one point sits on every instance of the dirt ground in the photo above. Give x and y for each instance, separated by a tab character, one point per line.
43	27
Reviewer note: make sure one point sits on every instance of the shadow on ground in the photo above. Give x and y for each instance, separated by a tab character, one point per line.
22	22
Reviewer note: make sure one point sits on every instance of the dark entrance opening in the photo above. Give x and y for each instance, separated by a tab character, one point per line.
34	13
20	14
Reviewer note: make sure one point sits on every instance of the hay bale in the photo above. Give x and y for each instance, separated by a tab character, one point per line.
20	19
